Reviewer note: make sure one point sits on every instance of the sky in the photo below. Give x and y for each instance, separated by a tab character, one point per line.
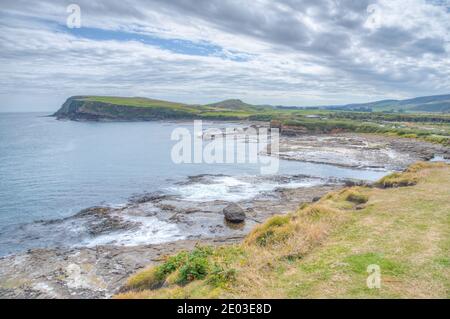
290	52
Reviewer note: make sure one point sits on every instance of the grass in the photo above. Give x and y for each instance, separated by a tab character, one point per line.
134	101
439	134
145	279
201	264
433	128
354	196
358	263
397	180
323	249
408	178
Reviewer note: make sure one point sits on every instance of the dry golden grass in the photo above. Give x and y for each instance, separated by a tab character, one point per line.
356	197
144	279
322	249
410	177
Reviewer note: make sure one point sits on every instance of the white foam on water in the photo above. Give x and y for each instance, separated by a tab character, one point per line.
304	183
221	188
151	231
439	158
233	189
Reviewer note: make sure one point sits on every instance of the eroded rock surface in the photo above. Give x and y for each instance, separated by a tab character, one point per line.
80	272
359	150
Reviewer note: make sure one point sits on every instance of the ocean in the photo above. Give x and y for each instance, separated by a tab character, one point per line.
52	169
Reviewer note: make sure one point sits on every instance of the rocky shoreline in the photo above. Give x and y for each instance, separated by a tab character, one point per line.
98	270
365	151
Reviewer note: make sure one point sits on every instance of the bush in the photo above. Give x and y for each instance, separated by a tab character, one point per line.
202	263
171	264
195	266
221	277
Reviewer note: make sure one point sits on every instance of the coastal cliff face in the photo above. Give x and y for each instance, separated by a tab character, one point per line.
83	108
96	108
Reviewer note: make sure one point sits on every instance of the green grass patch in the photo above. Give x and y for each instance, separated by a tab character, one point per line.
404	231
203	262
134	101
358	263
443	261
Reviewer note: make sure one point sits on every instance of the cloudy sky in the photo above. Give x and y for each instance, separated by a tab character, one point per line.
291	52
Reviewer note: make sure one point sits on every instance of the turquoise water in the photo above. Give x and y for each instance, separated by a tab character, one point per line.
51	169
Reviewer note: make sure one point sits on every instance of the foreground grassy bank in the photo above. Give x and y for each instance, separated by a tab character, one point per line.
322	250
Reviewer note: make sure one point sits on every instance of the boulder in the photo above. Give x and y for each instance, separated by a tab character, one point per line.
234	213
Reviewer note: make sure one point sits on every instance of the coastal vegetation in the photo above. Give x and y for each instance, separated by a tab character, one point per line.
432	127
323	249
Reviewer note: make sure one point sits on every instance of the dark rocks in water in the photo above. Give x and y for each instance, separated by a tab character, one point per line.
148	197
201	178
234	213
352	183
109	224
99	220
98	211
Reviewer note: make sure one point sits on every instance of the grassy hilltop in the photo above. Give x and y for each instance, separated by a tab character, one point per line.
322	250
435	103
137	108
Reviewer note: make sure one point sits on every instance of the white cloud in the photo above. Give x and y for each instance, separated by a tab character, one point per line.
288	52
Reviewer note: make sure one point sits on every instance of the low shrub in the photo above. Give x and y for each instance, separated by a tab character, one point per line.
171	264
203	262
220	276
195	266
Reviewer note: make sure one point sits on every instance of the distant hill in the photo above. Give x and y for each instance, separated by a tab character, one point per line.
435	103
230	104
236	104
96	108
115	108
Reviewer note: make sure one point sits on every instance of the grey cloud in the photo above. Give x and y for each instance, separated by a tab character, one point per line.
355	58
404	42
429	45
389	37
